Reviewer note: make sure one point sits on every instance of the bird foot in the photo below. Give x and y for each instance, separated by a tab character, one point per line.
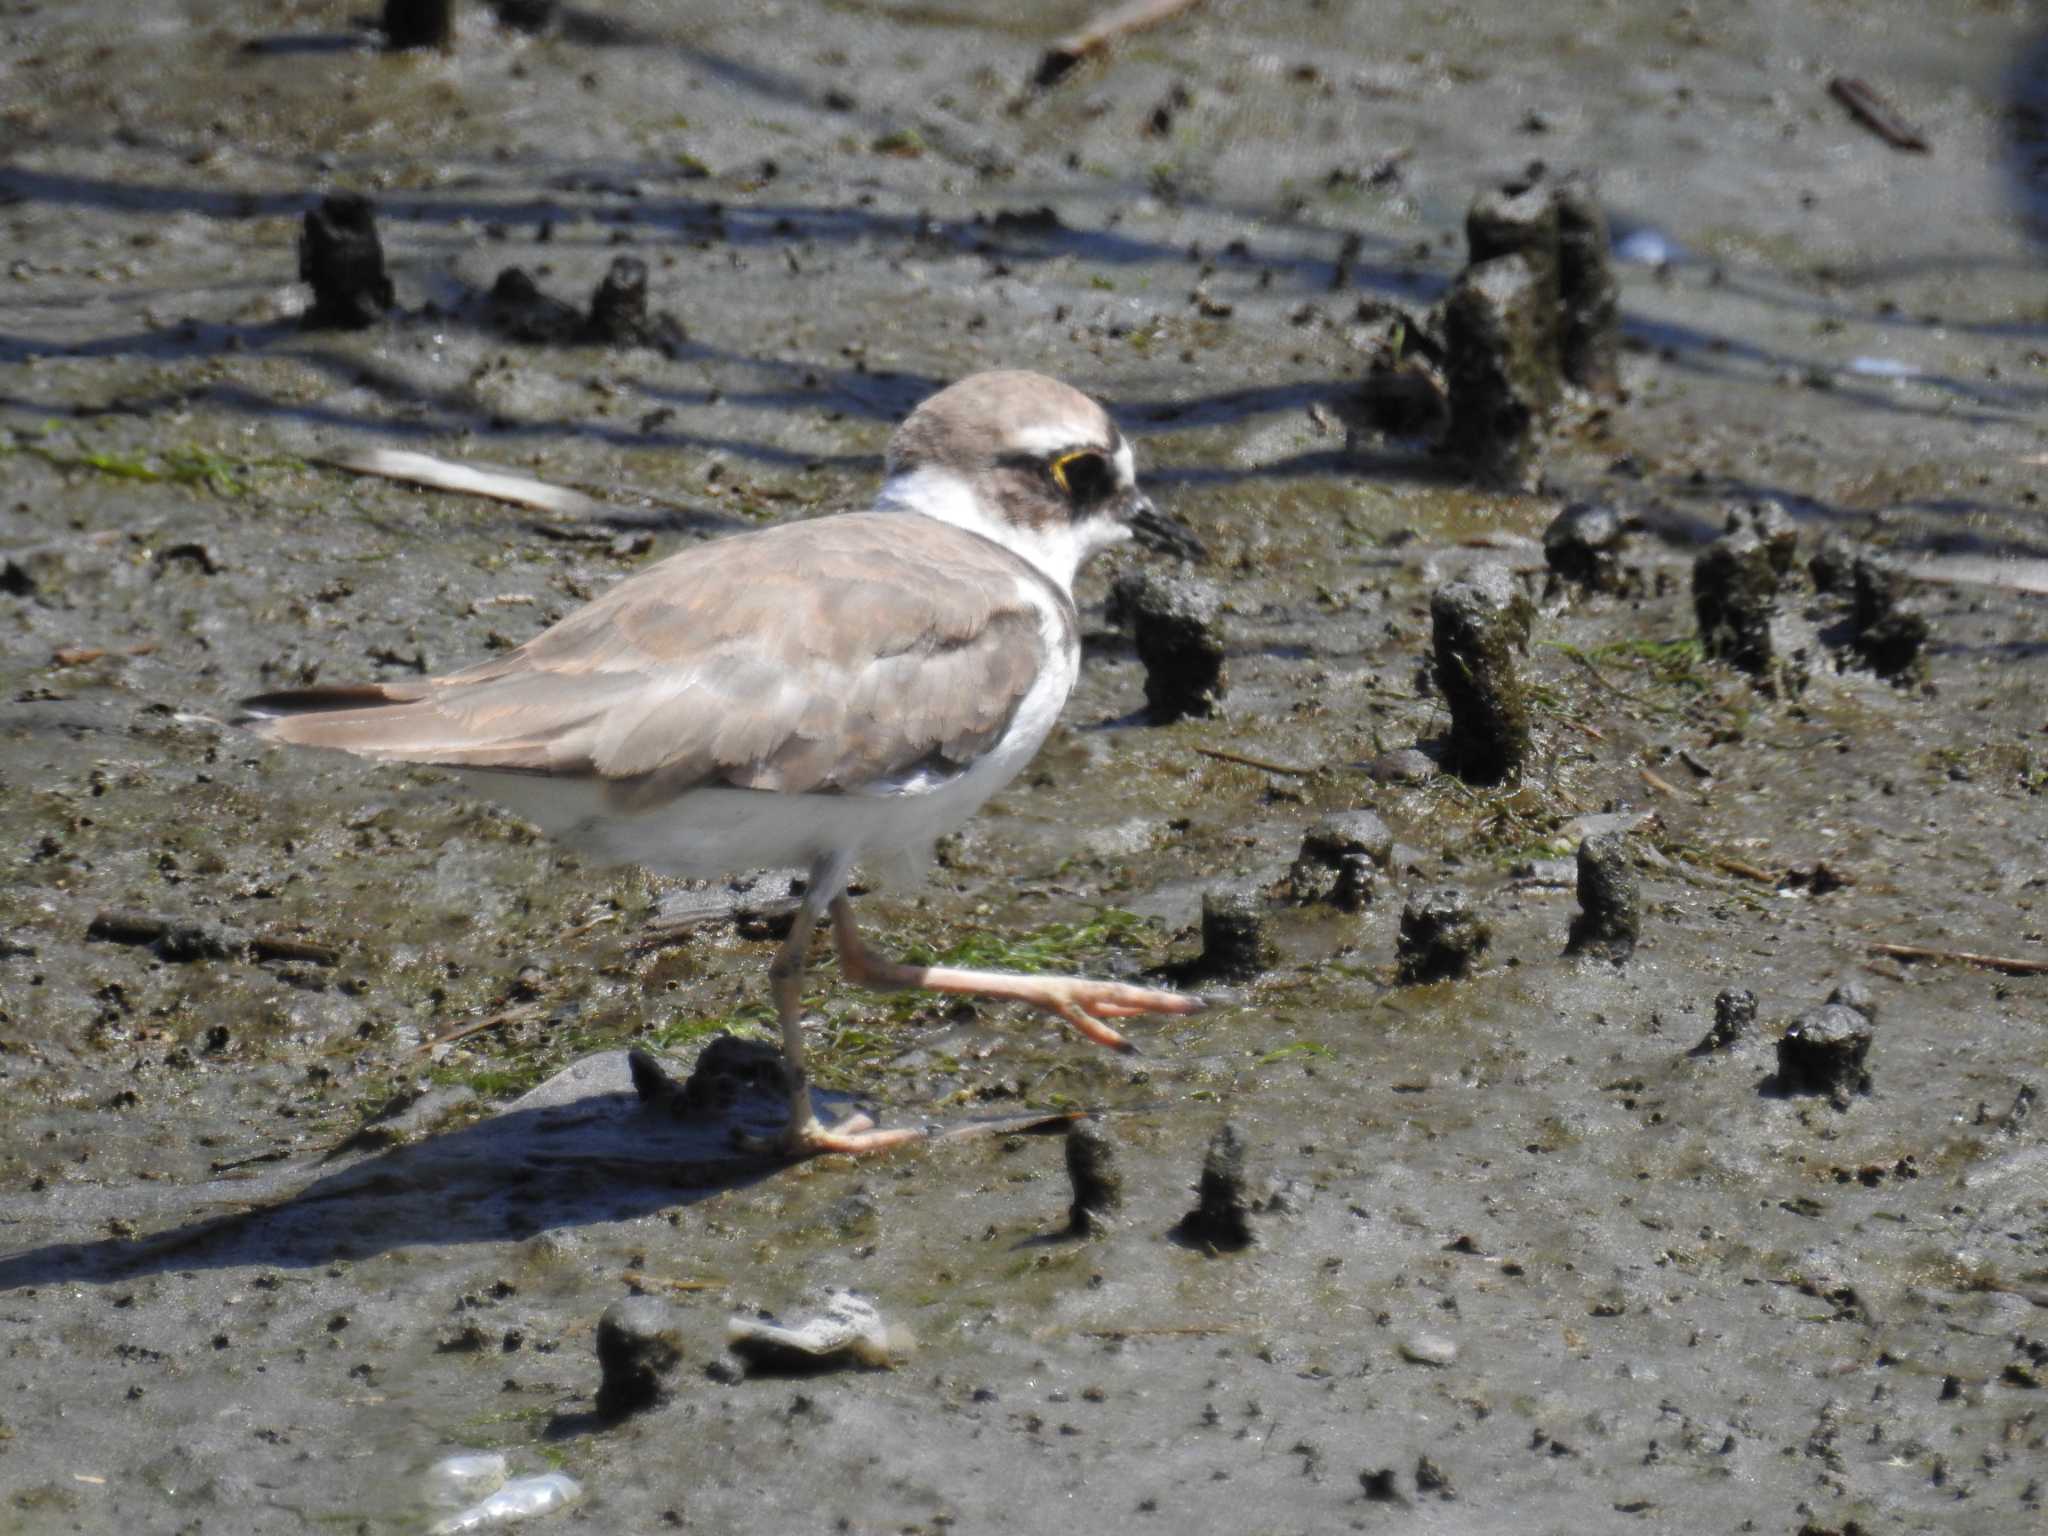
1090	1005
810	1137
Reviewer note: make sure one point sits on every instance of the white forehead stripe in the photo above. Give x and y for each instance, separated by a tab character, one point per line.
1048	437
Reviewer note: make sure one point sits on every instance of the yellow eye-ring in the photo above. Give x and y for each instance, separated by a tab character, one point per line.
1059	470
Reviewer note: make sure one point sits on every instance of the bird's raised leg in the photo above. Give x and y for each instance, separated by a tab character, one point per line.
805	1135
1087	1005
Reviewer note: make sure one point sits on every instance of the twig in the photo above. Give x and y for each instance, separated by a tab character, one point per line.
304	951
644	1282
1754	872
1185	1331
509	1016
1876	114
1245	761
2010	965
1132	16
1658	782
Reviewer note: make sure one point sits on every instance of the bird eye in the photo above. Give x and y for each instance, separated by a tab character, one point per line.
1085	477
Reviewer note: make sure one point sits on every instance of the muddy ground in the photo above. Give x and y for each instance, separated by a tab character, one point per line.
267	1250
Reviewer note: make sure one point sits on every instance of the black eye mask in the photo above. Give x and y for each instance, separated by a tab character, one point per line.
1085	477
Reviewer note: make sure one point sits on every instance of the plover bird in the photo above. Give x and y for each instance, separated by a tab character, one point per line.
808	696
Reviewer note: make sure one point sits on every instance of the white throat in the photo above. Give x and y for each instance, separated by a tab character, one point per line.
946	497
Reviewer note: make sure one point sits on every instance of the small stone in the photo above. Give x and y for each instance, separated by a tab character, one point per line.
341	256
1824	1052
1734	591
1234	941
1440	937
1431	1349
1091	1169
1431	1478
1173	621
1221	1219
1774	528
639	1344
1610	909
1585	543
1408	765
1734	1022
1339	860
1855	993
1476	624
1889	640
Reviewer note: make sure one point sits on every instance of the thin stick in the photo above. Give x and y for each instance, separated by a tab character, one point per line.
509	1016
645	1282
2006	963
1754	872
1244	761
1132	16
1877	114
471	479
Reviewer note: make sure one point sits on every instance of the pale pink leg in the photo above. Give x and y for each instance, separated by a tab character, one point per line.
1087	1005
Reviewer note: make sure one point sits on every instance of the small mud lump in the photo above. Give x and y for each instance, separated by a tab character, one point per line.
1441	937
638	1345
1773	525
1173	622
1589	297
1221	1219
341	256
619	315
1734	591
1476	624
1092	1170
1889	640
1234	941
1824	1052
1521	220
1500	366
1610	910
1584	544
1339	859
1734	1022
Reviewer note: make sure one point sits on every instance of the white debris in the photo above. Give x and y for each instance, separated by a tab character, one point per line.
850	1330
519	1499
465	1477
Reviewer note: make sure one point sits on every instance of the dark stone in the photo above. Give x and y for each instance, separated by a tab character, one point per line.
1173	621
1833	565
1734	591
1091	1169
1889	640
726	1070
1234	942
1584	544
523	312
1339	860
1610	911
1476	624
1824	1052
1500	367
1381	1486
1774	528
1221	1219
639	1343
1589	297
1734	1022
341	256
619	315
1441	937
419	23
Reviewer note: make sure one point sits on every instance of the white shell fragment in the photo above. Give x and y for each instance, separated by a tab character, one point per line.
519	1499
850	1331
465	1477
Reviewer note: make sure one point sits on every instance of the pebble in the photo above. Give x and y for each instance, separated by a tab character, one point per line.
1476	624
341	256
1610	916
1429	1349
1824	1052
1440	937
1174	623
1340	860
639	1345
1221	1219
1584	544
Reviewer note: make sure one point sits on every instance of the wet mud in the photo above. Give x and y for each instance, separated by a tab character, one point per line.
321	1156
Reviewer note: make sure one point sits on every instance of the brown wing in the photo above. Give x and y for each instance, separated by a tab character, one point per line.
808	657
